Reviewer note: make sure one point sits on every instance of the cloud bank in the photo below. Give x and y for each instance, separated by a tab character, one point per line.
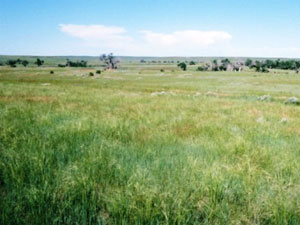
145	42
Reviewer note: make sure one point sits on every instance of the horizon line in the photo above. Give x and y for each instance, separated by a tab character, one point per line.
139	56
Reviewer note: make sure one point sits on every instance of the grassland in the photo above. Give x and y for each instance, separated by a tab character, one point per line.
140	146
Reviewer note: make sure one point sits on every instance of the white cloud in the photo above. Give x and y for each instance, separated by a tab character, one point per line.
112	38
197	38
94	32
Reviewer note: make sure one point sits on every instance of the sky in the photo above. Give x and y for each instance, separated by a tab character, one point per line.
257	28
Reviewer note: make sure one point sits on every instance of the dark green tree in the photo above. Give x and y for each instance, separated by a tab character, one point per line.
182	65
215	66
270	64
12	63
24	63
39	62
249	62
224	64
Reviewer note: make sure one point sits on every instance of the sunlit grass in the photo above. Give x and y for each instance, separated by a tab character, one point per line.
88	150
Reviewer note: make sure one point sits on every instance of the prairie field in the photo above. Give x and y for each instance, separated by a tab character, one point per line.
141	145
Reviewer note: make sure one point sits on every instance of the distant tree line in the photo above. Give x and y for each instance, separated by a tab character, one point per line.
259	66
265	65
39	62
81	63
77	63
221	65
15	62
111	62
227	65
167	62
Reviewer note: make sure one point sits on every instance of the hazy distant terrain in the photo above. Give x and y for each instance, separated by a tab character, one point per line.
94	60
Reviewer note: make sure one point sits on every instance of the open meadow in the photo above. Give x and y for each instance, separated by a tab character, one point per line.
146	145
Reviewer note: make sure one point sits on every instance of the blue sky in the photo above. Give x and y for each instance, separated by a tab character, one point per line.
262	28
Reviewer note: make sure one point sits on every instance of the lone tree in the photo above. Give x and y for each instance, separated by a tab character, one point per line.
182	65
260	67
25	63
249	62
39	62
224	64
215	65
110	61
12	63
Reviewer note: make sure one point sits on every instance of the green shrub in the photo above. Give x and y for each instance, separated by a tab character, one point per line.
81	63
39	62
12	63
98	72
24	62
200	68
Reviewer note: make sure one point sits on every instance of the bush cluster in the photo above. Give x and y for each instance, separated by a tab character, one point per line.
13	62
265	65
81	63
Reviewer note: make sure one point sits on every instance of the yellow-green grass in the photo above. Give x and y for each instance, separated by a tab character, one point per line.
141	146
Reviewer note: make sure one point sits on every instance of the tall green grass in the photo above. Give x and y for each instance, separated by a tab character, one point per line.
105	151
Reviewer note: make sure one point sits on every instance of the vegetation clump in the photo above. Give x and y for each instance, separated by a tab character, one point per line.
265	98
109	60
39	62
262	66
24	63
292	100
182	65
13	62
81	63
266	65
200	68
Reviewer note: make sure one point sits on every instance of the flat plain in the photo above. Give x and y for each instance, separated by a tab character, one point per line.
141	146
